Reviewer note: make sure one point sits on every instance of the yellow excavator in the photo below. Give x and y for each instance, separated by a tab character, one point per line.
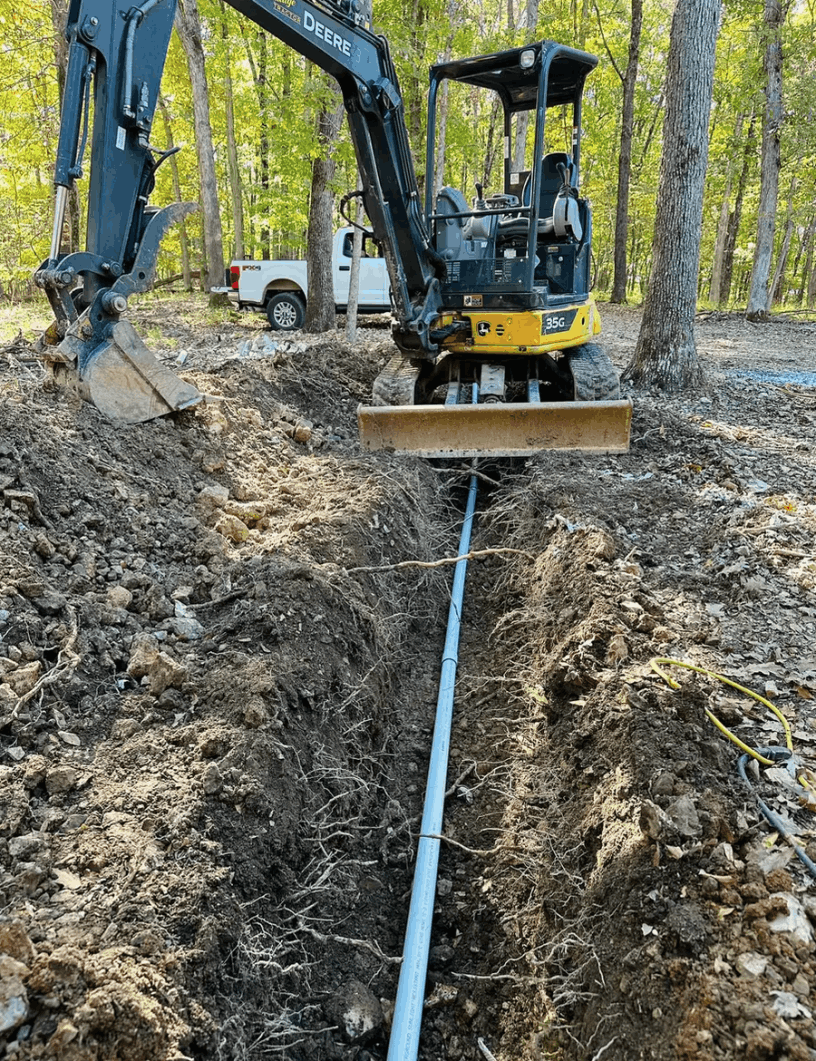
494	326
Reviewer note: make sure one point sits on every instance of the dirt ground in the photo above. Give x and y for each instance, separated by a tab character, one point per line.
217	695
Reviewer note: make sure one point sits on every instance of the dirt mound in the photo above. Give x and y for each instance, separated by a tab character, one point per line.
217	694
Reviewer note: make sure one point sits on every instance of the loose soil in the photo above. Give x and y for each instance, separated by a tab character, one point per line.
218	679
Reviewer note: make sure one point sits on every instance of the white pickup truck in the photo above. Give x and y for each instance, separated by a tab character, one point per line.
279	288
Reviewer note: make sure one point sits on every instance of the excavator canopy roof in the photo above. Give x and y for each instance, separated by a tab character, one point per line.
567	69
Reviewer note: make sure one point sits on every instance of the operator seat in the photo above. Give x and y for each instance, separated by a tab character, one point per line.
459	237
558	214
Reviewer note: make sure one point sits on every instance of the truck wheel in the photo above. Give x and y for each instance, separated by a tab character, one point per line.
285	312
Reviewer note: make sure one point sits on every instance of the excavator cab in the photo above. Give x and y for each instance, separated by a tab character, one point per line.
518	366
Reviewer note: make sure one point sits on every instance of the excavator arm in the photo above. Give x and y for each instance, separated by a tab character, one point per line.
116	57
334	38
117	52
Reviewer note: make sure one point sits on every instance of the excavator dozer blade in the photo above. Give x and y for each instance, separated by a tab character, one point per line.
127	384
498	430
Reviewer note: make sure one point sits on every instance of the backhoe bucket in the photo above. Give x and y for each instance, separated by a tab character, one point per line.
498	430
123	379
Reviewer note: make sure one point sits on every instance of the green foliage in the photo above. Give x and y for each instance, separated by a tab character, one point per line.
29	110
276	96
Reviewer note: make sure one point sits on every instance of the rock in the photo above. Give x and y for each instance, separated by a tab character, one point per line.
212	498
687	923
185	624
24	679
50	603
794	921
29	877
66	1032
684	816
35	770
787	1005
60	779
27	846
469	1008
13	996
255	714
357	1011
617	649
43	547
119	597
212	779
165	673
248	511
14	941
751	964
161	670
232	527
650	820
303	431
143	652
14	808
124	728
663	784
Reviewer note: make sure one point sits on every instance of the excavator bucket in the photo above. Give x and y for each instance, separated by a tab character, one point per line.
126	382
122	378
498	430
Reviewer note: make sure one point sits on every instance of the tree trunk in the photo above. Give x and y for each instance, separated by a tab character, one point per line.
759	296
442	111
263	141
625	158
806	251
528	25
236	190
666	352
735	217
354	276
715	287
188	26
186	270
320	315
777	283
494	141
811	284
59	20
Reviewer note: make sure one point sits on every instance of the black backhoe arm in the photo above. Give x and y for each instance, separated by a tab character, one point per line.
333	38
116	57
117	50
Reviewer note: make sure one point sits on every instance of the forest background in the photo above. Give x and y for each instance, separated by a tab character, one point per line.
267	111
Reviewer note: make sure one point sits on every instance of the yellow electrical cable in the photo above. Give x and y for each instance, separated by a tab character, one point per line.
807	778
665	661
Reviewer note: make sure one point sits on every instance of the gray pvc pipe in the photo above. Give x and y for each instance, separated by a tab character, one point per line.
404	1041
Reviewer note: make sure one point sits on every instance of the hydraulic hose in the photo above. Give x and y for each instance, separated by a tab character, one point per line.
134	18
404	1041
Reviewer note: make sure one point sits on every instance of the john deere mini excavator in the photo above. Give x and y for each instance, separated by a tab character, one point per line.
492	318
